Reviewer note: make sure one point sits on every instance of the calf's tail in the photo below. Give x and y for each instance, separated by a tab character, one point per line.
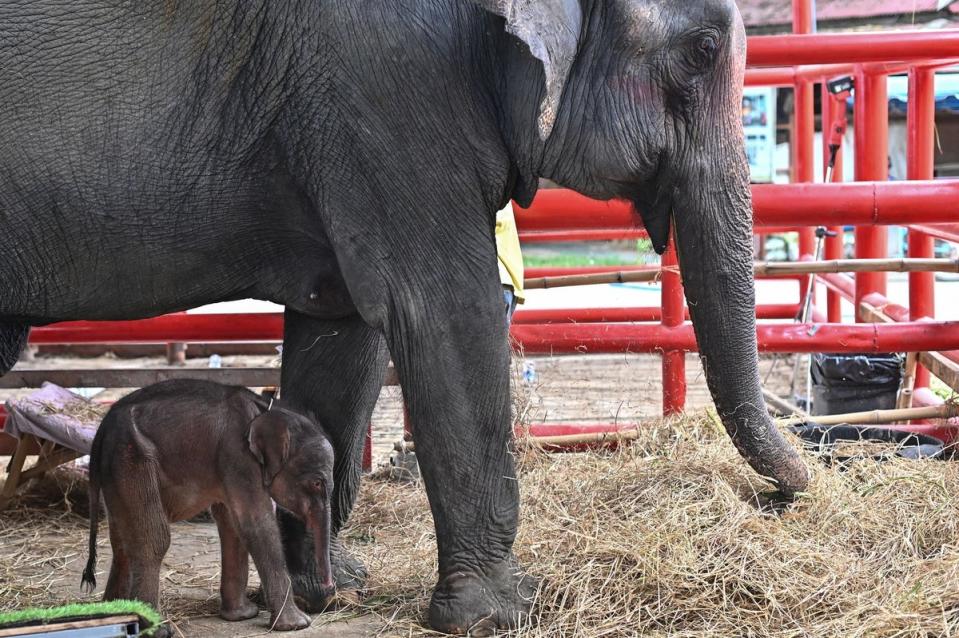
88	582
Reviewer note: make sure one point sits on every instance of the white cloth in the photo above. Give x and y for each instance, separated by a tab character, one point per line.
51	413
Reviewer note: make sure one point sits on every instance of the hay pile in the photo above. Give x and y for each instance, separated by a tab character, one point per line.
674	537
671	536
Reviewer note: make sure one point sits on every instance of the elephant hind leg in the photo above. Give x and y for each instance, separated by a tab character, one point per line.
13	339
142	528
120	582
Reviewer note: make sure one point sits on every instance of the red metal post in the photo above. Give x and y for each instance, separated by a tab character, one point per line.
872	163
804	122
921	127
674	313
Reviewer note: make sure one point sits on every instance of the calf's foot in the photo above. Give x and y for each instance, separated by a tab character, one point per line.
242	611
479	602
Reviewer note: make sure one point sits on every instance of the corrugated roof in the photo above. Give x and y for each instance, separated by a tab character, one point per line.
758	13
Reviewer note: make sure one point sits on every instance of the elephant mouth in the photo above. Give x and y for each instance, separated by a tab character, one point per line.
652	199
656	213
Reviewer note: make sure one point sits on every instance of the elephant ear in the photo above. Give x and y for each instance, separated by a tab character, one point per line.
551	29
270	443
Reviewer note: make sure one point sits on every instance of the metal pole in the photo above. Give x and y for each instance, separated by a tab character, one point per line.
834	241
921	127
804	122
872	157
780	205
618	338
674	314
853	48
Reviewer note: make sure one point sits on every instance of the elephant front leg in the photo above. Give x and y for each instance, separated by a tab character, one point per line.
335	370
453	361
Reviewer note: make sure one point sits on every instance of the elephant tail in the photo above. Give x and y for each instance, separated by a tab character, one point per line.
88	582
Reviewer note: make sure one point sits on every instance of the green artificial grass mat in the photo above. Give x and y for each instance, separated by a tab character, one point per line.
151	620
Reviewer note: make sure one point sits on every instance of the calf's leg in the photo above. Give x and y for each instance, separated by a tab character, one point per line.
235	569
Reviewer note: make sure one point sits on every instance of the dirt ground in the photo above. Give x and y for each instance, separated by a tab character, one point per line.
44	545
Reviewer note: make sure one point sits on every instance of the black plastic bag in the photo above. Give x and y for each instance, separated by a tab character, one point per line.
844	383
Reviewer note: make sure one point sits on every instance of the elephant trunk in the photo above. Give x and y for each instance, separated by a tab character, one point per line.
319	525
712	213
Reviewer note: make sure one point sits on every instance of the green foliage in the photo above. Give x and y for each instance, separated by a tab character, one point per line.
943	391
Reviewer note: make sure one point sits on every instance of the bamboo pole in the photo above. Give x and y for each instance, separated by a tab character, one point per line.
762	268
619	277
857	265
874	417
782	405
904	400
880	417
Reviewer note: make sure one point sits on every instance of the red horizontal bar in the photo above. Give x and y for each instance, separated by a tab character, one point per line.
901	314
615	338
179	328
838	48
857	203
945	232
839	283
631	315
788	75
570	429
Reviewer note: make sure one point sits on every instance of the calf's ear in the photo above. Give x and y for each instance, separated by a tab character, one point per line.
270	444
551	30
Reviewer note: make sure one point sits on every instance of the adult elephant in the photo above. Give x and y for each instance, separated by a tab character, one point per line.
345	159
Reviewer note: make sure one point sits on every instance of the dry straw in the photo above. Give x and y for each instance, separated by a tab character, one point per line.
675	536
672	535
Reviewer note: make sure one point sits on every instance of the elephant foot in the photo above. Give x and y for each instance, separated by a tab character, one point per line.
244	611
349	574
479	604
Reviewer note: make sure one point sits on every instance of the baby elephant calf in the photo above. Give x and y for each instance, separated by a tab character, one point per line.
167	452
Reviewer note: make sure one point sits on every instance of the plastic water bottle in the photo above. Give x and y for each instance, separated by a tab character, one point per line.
216	361
529	372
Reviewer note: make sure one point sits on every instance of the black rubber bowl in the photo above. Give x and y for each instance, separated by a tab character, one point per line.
822	439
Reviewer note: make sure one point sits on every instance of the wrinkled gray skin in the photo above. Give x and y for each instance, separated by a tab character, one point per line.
173	449
346	159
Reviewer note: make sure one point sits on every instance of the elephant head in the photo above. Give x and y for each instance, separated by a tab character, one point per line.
296	461
640	100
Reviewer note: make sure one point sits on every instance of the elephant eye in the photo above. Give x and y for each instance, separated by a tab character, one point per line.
708	45
318	486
